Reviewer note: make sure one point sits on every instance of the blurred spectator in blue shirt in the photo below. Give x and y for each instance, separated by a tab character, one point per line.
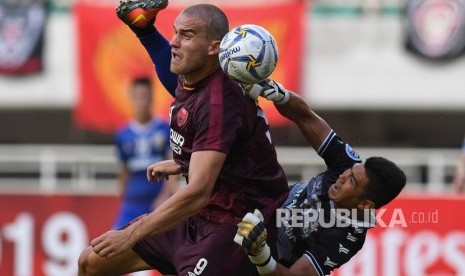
144	141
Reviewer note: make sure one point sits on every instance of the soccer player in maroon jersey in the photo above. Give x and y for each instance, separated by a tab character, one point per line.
221	144
324	221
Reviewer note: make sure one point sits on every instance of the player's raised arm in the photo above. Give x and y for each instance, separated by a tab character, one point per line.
292	106
140	16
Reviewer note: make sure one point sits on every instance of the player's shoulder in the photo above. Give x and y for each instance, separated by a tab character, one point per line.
336	152
298	187
227	92
158	122
123	131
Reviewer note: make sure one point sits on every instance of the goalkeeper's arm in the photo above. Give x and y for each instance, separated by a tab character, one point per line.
292	106
314	128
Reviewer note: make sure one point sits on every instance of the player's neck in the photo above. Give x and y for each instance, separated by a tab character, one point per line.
206	71
144	119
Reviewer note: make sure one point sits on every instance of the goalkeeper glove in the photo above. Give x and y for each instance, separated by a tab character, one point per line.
268	89
251	235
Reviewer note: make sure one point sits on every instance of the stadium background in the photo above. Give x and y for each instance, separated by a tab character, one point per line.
359	63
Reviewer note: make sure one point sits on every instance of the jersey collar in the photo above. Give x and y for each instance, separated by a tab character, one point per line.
201	83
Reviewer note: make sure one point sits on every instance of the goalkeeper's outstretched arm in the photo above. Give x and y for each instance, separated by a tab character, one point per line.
313	127
292	106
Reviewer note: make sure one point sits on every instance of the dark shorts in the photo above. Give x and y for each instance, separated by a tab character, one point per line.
199	247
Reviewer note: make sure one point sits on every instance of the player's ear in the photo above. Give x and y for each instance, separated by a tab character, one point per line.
214	47
366	204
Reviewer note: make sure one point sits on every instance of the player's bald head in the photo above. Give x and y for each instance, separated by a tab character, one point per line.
215	20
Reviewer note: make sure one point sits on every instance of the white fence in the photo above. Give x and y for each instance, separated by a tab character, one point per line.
92	169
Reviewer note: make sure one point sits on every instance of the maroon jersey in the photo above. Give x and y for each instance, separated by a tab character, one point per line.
215	114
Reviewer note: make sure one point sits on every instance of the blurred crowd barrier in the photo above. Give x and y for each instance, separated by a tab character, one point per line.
88	169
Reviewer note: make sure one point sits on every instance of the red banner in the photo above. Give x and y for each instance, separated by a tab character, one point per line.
414	236
110	56
44	235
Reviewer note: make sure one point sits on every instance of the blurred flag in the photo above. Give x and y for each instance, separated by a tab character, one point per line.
22	27
435	29
110	55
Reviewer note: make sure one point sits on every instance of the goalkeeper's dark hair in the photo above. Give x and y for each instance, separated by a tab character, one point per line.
386	181
215	19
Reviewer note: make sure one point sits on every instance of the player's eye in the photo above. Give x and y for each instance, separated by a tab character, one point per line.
188	35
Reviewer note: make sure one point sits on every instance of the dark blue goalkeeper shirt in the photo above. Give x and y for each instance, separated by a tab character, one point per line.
159	50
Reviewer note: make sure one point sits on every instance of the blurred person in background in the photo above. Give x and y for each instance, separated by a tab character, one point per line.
143	141
459	177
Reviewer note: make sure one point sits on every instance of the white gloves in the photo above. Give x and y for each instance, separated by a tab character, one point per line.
251	235
268	89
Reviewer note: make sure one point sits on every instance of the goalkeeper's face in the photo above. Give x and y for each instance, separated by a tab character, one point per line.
193	54
349	188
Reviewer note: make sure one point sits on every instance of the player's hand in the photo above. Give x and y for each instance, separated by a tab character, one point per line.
268	89
162	170
139	13
112	243
251	233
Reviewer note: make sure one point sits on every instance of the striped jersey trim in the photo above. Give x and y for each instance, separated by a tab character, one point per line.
326	142
315	264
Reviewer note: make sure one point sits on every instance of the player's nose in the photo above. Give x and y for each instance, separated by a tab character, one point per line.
174	41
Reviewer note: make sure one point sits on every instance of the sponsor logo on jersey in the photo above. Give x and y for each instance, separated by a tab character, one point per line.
310	227
182	117
176	141
352	154
330	263
342	249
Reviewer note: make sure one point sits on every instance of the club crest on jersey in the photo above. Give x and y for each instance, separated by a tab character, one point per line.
182	117
352	154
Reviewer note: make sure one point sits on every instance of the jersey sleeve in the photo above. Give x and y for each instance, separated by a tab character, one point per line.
159	51
336	153
333	250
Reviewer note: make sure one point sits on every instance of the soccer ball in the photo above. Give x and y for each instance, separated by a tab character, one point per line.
248	54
